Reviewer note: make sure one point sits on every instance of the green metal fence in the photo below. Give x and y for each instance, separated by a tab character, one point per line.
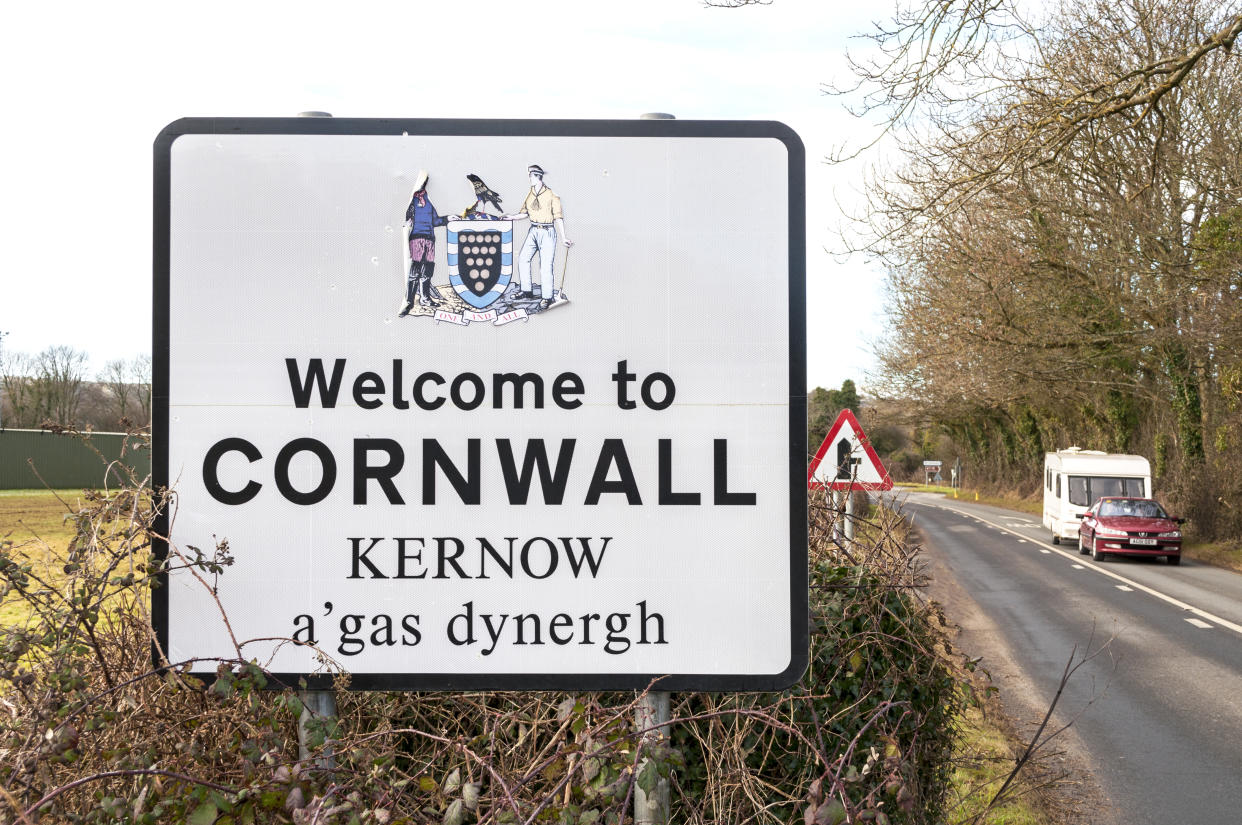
64	461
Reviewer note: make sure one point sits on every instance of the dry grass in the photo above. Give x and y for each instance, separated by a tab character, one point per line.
1220	553
983	758
38	525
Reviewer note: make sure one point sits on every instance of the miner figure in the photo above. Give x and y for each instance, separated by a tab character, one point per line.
543	208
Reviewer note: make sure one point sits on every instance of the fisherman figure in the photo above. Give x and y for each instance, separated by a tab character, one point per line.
422	219
543	208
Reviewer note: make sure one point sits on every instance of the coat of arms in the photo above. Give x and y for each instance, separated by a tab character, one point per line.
480	258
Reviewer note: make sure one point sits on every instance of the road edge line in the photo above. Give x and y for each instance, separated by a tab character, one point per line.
1090	565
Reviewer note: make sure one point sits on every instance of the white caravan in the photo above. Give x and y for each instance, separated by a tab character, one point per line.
1074	479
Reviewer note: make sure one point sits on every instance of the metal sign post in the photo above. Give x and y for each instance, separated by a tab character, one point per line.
849	516
651	716
317	705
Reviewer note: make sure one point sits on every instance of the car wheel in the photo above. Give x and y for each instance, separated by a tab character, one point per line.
1173	559
1096	553
1056	539
1082	547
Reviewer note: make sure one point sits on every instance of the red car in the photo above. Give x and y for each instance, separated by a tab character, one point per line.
1130	527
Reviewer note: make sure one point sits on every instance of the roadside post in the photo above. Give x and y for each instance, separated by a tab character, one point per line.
849	517
317	705
844	464
429	480
654	706
653	710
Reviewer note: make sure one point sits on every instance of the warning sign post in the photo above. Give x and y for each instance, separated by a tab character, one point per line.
846	460
844	464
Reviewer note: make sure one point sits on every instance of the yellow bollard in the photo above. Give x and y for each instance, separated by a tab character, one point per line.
976	495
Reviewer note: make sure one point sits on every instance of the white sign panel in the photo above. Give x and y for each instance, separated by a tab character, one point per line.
484	403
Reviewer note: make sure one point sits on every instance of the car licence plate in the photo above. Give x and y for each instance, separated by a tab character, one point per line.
1143	541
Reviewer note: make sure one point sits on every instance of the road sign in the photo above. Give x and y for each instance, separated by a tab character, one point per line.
425	474
846	460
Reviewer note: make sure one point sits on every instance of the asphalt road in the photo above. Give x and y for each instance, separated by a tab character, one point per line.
1157	707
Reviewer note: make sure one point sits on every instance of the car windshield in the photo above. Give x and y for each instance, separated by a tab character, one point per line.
1131	507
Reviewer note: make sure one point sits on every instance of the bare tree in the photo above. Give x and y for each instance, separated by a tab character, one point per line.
2	373
140	376
19	395
115	378
961	78
57	383
52	386
1092	297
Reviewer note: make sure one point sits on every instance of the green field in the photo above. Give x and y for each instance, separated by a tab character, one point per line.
35	527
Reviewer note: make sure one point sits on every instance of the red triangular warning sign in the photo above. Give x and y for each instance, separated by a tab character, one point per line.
846	461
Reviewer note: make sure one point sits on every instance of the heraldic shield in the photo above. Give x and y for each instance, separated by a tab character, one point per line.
480	259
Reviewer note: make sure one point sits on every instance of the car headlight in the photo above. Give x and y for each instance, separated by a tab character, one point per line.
1175	534
1109	531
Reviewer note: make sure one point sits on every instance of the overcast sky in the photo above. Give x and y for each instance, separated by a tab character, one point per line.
89	85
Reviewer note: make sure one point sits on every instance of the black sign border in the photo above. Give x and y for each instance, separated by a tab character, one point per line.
710	682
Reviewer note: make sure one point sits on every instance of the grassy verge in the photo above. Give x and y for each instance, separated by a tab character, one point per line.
1219	553
1022	505
983	759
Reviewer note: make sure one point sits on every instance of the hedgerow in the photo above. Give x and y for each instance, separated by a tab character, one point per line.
92	732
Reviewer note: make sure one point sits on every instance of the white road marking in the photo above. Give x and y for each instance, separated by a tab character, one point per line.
1045	551
1198	623
1078	567
1178	603
1021	541
1126	589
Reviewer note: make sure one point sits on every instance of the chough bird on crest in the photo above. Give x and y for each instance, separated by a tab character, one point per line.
482	194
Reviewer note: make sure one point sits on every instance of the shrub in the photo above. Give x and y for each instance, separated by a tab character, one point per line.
91	733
